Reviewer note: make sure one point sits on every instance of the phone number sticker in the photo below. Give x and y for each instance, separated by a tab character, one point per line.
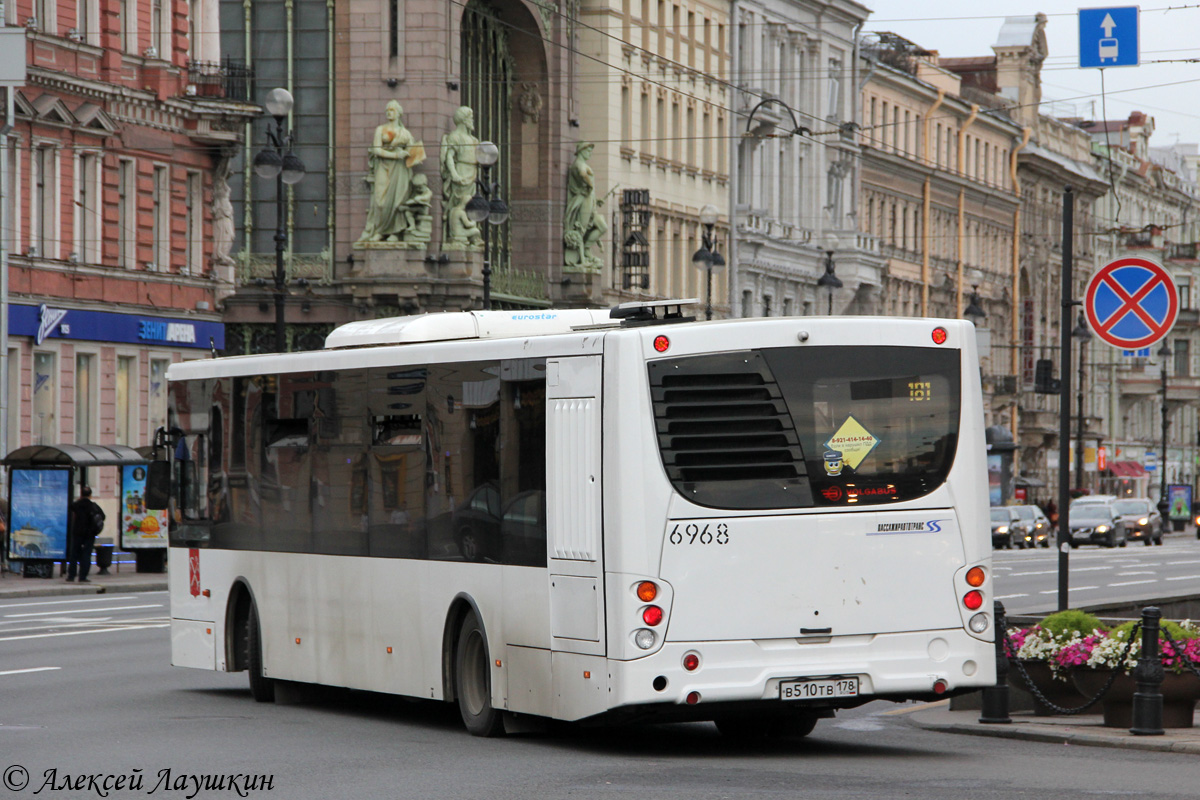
699	533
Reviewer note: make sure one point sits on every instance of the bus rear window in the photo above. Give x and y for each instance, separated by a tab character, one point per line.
807	426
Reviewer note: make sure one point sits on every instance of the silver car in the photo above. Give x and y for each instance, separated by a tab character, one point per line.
1142	520
1097	523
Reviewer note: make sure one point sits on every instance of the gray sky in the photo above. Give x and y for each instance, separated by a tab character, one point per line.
958	29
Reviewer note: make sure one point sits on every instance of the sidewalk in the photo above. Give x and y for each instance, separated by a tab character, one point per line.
127	580
1085	730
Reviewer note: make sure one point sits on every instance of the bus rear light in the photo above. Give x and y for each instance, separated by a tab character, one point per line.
693	698
652	615
647	591
644	639
691	661
976	577
978	623
661	343
939	335
940	686
973	600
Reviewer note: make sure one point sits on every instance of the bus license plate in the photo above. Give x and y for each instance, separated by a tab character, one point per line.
818	690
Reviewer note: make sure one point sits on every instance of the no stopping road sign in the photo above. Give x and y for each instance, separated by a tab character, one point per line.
1131	303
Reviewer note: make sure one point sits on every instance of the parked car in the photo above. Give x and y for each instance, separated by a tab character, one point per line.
1008	529
1142	520
1037	526
1097	523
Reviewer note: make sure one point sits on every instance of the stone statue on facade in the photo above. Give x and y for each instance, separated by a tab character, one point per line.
583	223
390	161
222	211
459	168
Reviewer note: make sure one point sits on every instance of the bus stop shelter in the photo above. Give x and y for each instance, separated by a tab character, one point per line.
75	459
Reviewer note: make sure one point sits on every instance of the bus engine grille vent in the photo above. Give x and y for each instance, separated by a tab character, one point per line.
723	419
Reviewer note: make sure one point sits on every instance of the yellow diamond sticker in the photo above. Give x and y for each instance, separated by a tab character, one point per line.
853	441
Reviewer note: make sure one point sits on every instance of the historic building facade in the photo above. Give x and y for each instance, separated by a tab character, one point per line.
366	240
115	136
797	163
654	93
938	191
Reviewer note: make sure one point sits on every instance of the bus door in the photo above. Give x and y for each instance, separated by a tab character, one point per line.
573	519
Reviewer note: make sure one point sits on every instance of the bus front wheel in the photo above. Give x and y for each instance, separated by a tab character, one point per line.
472	680
262	688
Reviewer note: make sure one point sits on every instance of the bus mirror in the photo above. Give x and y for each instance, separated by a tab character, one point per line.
158	485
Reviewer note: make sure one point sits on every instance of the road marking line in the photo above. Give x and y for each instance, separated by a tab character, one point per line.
60	602
1010	596
1042	572
1131	583
1184	578
1071	589
77	633
80	611
31	669
1127	574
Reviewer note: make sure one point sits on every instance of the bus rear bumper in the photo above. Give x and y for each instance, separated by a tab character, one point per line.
898	666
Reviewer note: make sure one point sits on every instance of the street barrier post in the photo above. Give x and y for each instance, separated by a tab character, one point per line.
1147	700
995	698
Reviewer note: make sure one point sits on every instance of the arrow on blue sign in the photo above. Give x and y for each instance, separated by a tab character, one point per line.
1108	37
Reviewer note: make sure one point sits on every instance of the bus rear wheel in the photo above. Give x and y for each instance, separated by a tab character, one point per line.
472	680
262	688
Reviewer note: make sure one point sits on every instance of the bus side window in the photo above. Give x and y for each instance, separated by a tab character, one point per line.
191	475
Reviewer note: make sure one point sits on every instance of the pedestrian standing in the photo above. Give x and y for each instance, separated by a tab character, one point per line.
85	522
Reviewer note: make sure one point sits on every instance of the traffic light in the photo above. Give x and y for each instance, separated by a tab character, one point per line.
1043	377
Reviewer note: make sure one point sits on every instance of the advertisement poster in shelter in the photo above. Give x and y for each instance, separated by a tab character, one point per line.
140	527
39	503
1179	501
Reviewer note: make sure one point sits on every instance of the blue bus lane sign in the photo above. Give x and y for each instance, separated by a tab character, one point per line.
1131	303
1108	37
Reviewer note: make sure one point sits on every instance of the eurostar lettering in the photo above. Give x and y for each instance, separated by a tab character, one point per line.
161	331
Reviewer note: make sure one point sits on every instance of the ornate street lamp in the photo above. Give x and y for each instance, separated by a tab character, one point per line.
487	208
1163	354
279	162
1081	334
707	258
830	280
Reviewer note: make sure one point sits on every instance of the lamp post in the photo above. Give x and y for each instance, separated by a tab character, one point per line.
974	312
487	209
1163	354
1081	334
707	258
829	280
279	162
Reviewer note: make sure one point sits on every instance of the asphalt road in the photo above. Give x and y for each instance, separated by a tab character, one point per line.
86	690
1027	580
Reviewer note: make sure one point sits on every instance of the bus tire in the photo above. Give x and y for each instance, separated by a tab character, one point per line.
262	688
472	680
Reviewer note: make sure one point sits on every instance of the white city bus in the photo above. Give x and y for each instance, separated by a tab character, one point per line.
592	516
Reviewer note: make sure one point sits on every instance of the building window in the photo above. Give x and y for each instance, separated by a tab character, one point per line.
85	408
126	421
660	120
194	207
45	399
13	392
1183	358
676	133
691	137
156	411
127	25
43	235
87	209
835	88
161	223
626	125
747	302
126	213
1185	292
647	136
157	28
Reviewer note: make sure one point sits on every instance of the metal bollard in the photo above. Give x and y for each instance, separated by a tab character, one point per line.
1147	700
995	698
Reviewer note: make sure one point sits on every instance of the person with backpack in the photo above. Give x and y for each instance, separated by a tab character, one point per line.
85	523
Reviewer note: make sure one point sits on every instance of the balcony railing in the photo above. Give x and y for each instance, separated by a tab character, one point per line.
1182	251
228	79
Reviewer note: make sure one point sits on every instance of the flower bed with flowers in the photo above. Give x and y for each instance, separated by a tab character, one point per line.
1077	647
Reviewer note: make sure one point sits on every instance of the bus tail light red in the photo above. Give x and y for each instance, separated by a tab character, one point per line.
652	615
973	600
